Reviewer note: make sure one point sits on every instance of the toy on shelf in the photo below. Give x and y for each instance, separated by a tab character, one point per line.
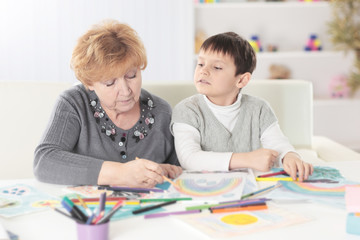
272	48
278	71
339	87
313	43
255	43
199	39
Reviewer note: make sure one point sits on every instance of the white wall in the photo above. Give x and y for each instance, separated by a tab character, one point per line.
38	36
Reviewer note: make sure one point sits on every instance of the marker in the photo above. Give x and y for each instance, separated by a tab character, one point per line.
156	215
145	209
163	199
77	211
274	174
71	210
260	191
71	217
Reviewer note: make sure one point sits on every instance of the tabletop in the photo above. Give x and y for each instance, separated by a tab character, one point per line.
326	222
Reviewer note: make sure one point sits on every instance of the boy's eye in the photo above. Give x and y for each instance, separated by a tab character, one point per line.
218	68
200	64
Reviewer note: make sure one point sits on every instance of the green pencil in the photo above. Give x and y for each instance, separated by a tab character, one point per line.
200	207
163	199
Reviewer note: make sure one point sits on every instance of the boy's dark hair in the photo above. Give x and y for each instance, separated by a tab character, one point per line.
235	46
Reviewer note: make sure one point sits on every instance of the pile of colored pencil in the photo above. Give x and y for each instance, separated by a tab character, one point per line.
89	217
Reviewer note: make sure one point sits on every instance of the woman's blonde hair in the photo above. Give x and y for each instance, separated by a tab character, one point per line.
107	50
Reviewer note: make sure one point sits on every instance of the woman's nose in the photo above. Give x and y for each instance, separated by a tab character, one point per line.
123	87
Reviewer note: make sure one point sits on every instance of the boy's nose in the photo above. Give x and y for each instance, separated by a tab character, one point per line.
204	70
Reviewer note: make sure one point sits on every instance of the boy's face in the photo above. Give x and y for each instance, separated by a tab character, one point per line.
215	77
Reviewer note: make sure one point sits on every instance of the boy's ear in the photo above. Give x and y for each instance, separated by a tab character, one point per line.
243	80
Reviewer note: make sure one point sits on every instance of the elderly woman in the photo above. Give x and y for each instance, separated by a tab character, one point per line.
108	130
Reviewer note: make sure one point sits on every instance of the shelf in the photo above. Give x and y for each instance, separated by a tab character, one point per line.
268	5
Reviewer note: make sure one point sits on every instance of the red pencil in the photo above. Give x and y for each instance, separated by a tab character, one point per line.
273	174
236	209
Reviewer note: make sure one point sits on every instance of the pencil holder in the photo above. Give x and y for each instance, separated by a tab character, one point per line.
93	232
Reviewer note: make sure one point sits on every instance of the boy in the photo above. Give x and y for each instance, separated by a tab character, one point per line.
223	129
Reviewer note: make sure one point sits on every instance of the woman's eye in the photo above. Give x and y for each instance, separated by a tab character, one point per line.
109	83
200	64
130	76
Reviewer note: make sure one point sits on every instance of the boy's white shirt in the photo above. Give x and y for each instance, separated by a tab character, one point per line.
192	157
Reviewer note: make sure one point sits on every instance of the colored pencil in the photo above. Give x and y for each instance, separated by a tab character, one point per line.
256	202
156	215
102	202
275	179
145	209
236	209
176	186
164	199
200	207
273	174
97	219
87	210
111	213
129	189
90	219
86	200
260	191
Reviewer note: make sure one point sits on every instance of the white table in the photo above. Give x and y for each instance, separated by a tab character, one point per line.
328	223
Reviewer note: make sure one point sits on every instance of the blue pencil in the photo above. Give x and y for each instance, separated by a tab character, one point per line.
260	191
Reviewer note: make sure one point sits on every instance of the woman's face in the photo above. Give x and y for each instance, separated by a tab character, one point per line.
120	94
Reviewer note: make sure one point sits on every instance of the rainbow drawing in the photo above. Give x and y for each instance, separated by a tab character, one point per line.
329	190
207	188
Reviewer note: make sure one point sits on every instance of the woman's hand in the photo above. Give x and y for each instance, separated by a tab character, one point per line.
136	173
262	160
171	171
293	164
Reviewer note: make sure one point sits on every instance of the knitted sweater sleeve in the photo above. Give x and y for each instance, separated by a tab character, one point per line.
54	160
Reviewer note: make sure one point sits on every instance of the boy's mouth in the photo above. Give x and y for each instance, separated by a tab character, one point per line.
203	81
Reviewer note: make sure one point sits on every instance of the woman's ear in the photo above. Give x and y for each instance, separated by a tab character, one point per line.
243	80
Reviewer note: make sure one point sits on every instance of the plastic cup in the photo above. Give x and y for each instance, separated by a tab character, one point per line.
92	232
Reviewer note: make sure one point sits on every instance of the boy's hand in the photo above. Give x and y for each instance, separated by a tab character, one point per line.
262	160
171	171
293	164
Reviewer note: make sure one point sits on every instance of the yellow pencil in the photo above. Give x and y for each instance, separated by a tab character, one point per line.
171	182
88	211
275	179
167	179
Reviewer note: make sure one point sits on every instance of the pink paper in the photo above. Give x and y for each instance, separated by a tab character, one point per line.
352	198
